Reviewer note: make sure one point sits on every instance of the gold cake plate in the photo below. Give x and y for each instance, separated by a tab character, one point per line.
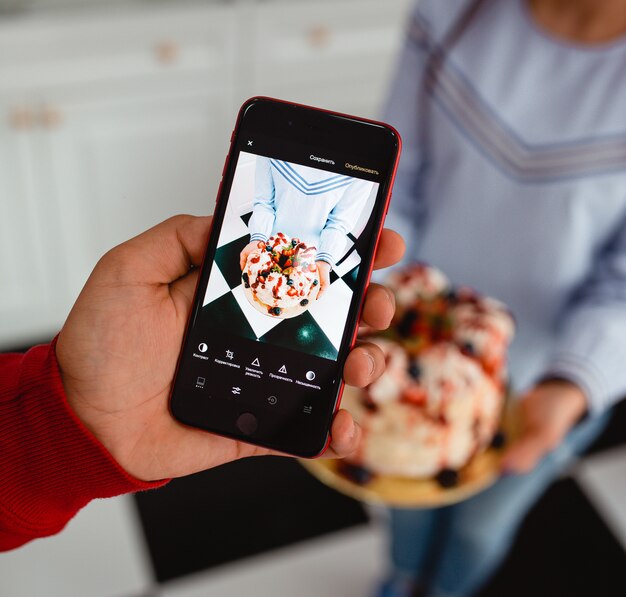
401	492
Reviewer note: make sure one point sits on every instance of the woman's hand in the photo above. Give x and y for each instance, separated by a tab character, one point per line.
323	270
547	412
118	350
243	256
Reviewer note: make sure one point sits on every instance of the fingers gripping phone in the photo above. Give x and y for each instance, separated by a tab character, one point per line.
297	221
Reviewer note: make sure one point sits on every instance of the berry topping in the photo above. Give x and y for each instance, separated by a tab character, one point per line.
451	295
369	405
499	440
246	279
315	282
448	478
415	370
355	473
304	302
406	325
468	349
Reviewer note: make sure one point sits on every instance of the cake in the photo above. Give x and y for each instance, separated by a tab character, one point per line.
280	276
439	402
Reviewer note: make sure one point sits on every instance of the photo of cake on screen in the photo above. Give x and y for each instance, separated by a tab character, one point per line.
288	254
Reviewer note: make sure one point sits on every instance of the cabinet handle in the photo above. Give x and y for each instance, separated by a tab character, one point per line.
50	117
167	52
22	118
319	36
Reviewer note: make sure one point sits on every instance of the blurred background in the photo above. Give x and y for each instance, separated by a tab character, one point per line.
117	114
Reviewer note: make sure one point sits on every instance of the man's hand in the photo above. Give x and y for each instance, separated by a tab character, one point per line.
245	252
323	270
547	413
118	349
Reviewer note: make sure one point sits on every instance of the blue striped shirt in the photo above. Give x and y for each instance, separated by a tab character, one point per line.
316	206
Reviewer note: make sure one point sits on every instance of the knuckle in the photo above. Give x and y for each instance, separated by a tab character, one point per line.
116	263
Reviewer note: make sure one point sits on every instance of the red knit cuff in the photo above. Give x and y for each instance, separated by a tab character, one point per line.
50	463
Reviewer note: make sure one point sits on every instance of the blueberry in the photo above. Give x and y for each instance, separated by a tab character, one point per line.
294	242
415	371
369	405
246	279
405	326
499	440
468	349
355	473
289	282
276	310
304	302
315	282
451	295
448	478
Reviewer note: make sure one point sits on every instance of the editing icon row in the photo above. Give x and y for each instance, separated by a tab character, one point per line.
230	354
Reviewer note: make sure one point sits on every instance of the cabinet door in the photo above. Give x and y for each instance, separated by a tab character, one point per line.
335	54
30	271
120	168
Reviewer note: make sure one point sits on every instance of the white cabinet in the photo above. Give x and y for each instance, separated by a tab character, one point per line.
108	125
334	54
29	287
111	120
79	177
120	168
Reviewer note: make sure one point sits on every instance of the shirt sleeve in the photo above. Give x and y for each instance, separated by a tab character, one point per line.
50	464
405	110
264	209
342	220
592	346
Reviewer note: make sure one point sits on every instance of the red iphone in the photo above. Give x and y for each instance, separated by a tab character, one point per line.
297	222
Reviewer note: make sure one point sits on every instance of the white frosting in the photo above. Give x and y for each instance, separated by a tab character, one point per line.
487	327
486	314
270	282
459	413
419	281
389	385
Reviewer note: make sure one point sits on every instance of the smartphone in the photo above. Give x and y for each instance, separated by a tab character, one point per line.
298	216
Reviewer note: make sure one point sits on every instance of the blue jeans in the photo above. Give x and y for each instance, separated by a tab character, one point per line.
452	551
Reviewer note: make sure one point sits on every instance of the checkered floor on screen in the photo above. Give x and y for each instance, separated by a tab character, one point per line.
316	331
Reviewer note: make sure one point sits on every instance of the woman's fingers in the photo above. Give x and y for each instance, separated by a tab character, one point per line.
243	257
525	454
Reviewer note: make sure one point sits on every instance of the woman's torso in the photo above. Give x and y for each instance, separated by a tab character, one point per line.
526	176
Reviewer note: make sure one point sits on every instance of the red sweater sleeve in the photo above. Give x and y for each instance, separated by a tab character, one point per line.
50	464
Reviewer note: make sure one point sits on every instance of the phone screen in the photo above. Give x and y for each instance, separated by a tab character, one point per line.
290	246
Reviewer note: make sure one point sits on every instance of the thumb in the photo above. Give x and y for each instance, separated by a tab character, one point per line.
165	252
524	455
